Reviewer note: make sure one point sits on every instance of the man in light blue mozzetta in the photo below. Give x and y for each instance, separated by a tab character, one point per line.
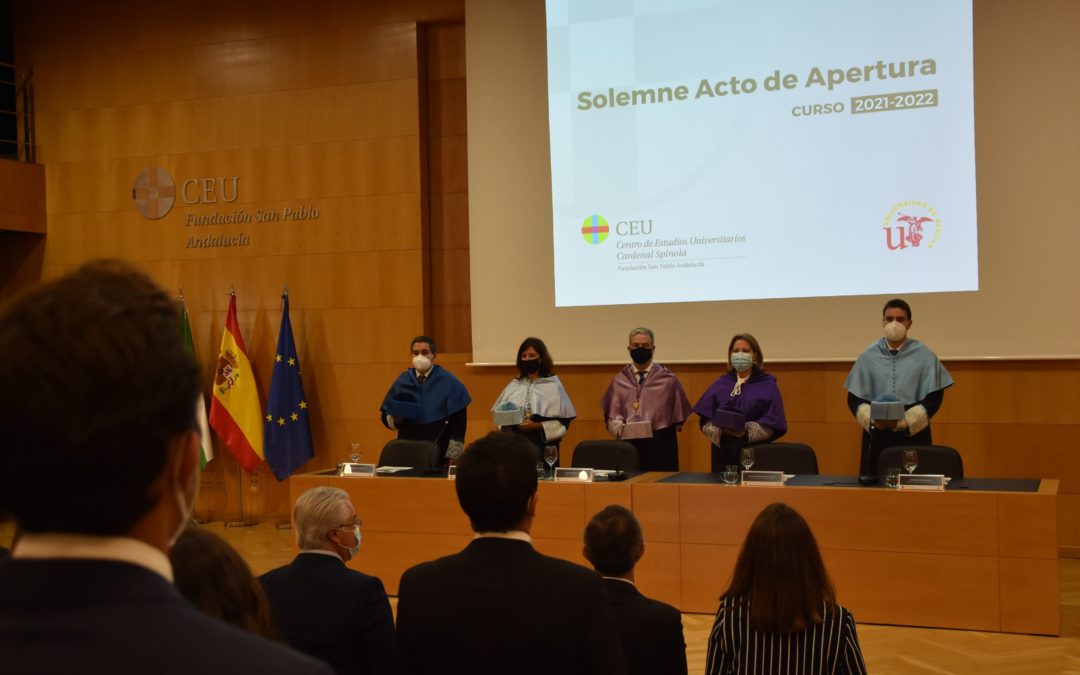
895	368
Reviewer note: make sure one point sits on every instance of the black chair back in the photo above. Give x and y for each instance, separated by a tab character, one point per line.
796	458
607	455
417	454
932	459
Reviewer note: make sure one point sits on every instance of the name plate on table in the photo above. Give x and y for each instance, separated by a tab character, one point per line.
451	473
923	481
356	470
763	478
572	475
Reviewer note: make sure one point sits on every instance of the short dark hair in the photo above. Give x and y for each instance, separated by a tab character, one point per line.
546	364
759	362
780	574
424	338
213	577
98	382
496	477
898	304
613	540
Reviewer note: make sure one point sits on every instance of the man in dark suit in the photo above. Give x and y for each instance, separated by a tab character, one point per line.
99	466
322	607
498	606
652	633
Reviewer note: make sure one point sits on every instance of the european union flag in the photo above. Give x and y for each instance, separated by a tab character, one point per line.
287	441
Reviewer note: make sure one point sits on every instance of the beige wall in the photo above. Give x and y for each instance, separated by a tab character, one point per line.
354	109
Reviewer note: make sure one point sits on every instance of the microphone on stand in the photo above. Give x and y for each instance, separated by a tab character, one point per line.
619	474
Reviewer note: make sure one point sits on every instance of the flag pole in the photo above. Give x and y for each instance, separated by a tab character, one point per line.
286	524
241	521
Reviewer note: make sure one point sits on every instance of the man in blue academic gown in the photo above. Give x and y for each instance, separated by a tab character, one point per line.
896	368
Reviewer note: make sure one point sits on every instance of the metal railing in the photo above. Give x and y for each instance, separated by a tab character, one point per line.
16	113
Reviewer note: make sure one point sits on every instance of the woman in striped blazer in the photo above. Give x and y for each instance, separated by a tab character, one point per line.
779	615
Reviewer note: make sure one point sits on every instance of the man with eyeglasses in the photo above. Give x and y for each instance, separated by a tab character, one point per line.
895	368
320	605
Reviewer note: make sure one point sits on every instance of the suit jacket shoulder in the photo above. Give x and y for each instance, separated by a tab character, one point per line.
332	612
651	631
499	601
97	616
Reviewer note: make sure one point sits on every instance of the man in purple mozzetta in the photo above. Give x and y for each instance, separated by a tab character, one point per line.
646	405
743	406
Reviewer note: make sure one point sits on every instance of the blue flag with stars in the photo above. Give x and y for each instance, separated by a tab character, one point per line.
287	440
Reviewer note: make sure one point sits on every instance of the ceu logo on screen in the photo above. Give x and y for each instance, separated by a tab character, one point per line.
153	192
910	225
594	229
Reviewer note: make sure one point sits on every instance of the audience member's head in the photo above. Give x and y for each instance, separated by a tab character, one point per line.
496	483
780	574
99	421
326	520
211	575
613	541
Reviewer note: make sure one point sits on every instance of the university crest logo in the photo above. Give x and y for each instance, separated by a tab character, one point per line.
911	225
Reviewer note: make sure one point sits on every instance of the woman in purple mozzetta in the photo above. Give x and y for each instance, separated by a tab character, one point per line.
743	406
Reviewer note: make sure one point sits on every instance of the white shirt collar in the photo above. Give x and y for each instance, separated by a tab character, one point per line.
92	547
512	534
620	579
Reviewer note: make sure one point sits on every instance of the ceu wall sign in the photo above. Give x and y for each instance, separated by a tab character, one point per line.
155	193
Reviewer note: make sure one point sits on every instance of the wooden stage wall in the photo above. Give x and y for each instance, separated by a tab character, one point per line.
358	110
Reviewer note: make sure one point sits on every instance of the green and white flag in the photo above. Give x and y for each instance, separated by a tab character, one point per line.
207	447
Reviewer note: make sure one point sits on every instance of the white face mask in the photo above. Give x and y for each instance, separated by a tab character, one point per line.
895	331
421	363
356	548
185	508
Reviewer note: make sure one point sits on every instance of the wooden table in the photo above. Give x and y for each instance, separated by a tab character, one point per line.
976	560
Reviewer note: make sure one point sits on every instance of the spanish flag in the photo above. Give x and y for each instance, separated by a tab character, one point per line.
235	413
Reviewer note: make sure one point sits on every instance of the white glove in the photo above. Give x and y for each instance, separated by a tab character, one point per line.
615	428
454	449
712	432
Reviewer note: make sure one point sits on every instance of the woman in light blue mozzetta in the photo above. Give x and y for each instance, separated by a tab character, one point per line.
535	403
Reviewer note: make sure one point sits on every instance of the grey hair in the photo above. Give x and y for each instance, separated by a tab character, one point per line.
317	512
642	330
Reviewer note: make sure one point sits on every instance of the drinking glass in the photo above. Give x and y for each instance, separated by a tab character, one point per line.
911	460
892	478
540	471
354	452
747	458
731	474
551	455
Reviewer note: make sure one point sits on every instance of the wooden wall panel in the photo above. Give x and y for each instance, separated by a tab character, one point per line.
448	185
61	29
310	105
22	197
